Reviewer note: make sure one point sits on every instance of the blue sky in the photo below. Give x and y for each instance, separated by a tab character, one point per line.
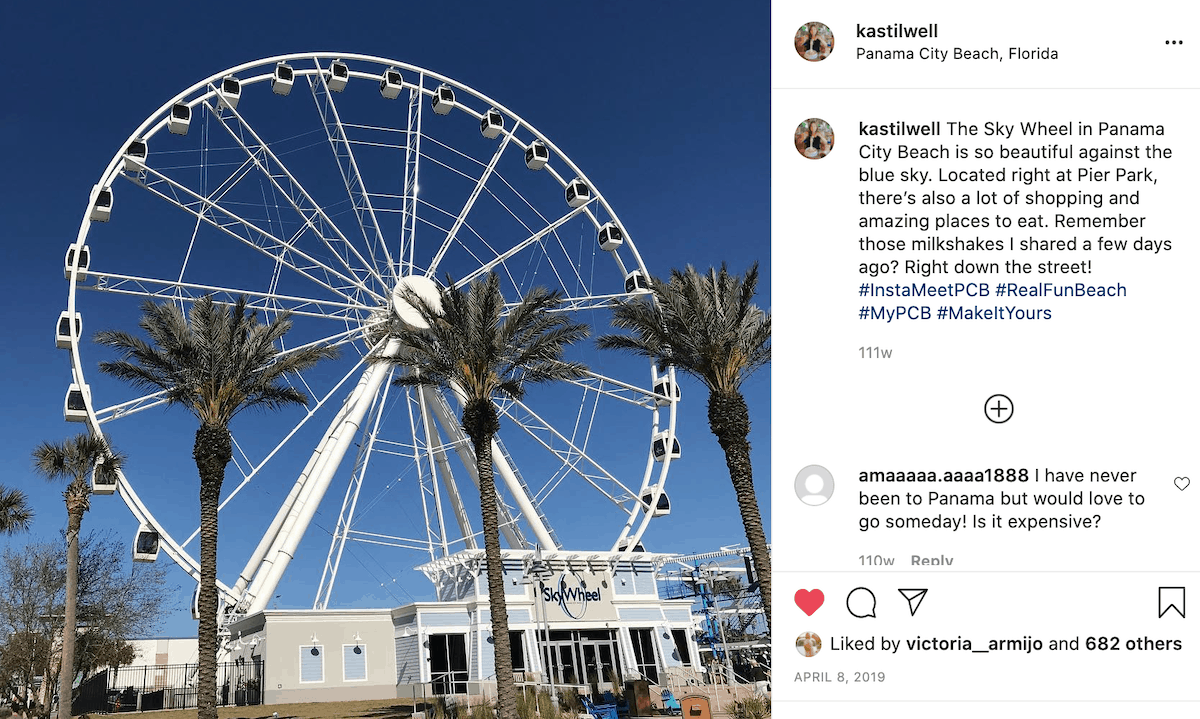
664	107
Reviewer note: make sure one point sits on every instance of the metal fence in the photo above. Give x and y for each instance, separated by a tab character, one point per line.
166	686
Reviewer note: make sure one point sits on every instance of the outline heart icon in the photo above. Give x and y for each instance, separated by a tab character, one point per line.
1182	483
810	601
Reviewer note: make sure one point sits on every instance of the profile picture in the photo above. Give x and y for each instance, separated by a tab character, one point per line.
814	41
808	644
814	485
814	138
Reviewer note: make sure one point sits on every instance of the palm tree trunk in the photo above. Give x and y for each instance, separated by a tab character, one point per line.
212	451
506	691
66	676
729	419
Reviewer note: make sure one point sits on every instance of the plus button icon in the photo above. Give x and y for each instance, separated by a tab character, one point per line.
998	408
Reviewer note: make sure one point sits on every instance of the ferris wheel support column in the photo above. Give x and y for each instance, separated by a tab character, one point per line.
266	579
268	538
272	532
337	543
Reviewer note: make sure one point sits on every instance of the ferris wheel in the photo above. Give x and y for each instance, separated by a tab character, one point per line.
323	184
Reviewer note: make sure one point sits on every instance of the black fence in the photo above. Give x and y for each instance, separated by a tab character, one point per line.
165	686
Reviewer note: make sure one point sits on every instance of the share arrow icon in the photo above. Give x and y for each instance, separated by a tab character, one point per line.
914	597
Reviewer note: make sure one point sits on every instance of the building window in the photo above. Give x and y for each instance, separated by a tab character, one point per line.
681	646
448	663
643	653
354	663
312	663
516	646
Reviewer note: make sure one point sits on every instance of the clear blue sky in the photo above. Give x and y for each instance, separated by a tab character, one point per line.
664	106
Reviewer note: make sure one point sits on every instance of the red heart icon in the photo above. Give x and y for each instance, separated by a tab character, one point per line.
808	601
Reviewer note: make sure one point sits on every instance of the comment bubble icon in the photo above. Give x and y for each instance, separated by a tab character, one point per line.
860	602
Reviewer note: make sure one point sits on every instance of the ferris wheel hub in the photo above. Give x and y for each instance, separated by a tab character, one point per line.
402	307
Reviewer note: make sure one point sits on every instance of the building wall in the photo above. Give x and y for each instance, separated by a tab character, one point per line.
635	580
678	615
284	642
473	658
666	647
408	658
643	615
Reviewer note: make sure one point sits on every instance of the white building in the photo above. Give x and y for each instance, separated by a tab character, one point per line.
166	650
605	619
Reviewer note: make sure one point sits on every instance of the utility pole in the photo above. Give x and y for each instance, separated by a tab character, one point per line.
539	571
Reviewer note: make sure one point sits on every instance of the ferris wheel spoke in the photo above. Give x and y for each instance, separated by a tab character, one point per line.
580	303
314	218
640	396
386	540
445	231
588	210
438	464
462	215
573	457
351	335
356	189
476	260
246	232
247	477
504	256
132	406
412	175
156	289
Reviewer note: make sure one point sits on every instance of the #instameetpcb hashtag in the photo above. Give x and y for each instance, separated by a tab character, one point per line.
864	289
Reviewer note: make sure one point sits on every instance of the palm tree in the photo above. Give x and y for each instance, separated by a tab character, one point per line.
215	363
708	326
471	347
74	459
15	514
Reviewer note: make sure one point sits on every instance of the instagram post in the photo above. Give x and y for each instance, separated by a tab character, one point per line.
983	368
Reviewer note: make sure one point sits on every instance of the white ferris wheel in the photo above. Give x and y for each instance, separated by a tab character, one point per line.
319	184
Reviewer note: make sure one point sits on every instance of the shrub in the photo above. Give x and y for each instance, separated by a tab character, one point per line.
753	707
483	710
529	703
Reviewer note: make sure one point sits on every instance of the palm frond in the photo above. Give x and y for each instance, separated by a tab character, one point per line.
216	361
76	458
15	513
707	325
472	344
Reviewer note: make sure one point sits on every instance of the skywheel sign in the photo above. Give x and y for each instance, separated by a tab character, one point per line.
578	595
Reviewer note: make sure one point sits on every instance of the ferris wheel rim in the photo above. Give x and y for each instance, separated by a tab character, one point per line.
204	90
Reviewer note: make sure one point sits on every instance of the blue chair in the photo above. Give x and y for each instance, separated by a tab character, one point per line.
599	711
621	704
670	703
